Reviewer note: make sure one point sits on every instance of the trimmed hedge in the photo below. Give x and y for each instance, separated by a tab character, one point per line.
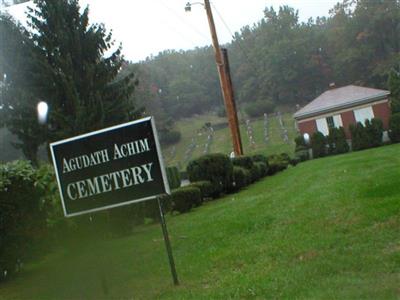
174	177
240	178
216	168
277	163
184	198
207	189
243	161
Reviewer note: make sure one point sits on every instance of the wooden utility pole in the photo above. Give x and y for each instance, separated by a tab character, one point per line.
226	84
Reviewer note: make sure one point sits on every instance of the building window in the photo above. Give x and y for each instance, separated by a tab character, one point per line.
329	121
363	114
322	126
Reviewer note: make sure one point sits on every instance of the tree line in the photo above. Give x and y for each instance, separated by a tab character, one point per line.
279	60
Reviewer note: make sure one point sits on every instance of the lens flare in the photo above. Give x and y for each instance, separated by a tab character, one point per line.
42	109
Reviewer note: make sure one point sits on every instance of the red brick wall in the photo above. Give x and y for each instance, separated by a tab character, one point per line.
382	111
347	119
307	127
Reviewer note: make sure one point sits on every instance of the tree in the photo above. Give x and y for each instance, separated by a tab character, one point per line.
394	86
18	102
72	73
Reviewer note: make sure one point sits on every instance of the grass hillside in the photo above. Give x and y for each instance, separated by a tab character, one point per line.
325	229
192	134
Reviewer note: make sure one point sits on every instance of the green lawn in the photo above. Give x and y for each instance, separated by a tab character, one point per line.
222	140
326	229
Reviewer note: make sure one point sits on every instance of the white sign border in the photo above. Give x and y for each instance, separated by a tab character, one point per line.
159	155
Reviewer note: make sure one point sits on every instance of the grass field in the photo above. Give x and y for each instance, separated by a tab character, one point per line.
222	141
325	229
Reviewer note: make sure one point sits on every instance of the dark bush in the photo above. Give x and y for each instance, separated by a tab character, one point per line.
302	154
243	161
216	168
294	161
337	141
318	144
184	198
258	108
374	130
240	178
22	215
364	137
394	128
262	169
170	137
174	178
300	143
277	163
262	159
259	158
207	189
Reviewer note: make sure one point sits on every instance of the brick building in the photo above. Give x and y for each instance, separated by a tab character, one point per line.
340	107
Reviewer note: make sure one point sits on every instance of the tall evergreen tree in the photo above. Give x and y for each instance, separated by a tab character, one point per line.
76	75
17	100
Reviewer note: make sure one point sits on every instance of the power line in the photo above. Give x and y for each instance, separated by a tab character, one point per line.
184	21
233	37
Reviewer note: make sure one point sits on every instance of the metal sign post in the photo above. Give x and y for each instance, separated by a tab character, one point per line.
167	243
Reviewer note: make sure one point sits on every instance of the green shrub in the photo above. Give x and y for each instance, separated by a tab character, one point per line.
364	137
394	128
262	169
184	198
258	108
216	168
318	144
294	161
207	189
300	143
243	161
302	154
374	129
337	141
174	178
22	214
170	137
277	163
240	178
259	158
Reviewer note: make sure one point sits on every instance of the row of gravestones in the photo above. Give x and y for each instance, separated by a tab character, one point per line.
249	130
250	134
210	137
266	135
284	133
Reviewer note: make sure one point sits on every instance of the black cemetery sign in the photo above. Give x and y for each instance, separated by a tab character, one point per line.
110	167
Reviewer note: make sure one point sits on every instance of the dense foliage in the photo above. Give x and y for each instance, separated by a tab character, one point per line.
22	215
67	62
280	60
366	136
216	168
318	144
337	142
394	128
173	176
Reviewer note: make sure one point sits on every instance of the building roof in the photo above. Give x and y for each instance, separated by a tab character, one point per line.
340	98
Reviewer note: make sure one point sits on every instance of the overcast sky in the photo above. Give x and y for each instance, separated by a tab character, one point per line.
146	27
